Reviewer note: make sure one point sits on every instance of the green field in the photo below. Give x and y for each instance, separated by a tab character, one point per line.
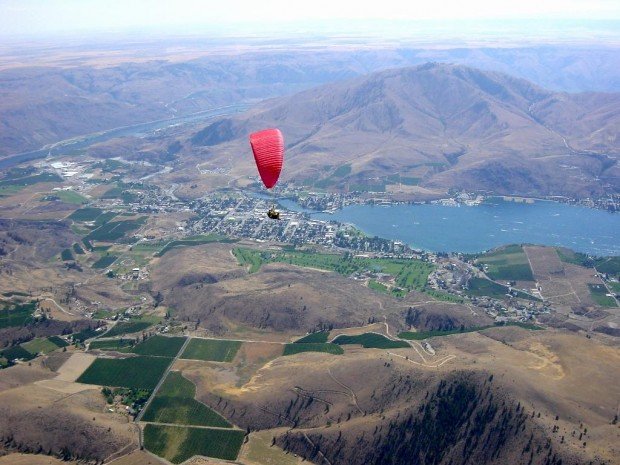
105	261
371	341
175	403
318	337
160	346
299	347
599	295
128	327
177	444
376	286
29	180
114	230
16	314
85	334
420	335
86	214
16	352
409	274
507	263
66	255
113	344
192	241
44	345
608	265
139	372
70	196
113	193
217	350
615	287
484	287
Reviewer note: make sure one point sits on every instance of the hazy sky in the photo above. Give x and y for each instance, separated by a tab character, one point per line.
52	16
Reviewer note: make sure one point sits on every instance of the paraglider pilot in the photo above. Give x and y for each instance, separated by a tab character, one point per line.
273	214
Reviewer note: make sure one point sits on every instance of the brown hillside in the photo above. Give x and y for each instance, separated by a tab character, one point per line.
452	126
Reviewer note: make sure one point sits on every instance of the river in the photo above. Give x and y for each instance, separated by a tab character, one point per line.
495	222
75	144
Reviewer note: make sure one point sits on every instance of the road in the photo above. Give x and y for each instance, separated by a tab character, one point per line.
162	379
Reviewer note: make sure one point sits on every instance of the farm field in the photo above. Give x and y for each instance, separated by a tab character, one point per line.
408	274
92	214
105	261
192	241
85	334
609	265
175	403
420	335
16	314
128	327
161	346
507	263
371	341
66	255
215	350
29	180
484	287
599	295
114	230
140	372
113	344
71	197
177	444
319	336
299	347
44	345
15	353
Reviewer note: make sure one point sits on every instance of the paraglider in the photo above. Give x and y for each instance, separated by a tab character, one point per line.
268	149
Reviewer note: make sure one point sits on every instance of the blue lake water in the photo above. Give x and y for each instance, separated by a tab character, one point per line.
496	222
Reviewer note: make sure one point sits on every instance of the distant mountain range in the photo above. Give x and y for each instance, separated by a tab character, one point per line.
424	130
44	101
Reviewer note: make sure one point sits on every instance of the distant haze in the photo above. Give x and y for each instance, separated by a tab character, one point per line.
51	17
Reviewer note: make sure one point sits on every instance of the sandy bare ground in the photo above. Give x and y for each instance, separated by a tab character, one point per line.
137	457
30	459
75	366
22	374
563	284
70	371
259	451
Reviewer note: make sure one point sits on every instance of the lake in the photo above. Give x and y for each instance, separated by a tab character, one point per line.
495	222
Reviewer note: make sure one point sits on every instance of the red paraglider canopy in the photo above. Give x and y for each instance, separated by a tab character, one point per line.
268	149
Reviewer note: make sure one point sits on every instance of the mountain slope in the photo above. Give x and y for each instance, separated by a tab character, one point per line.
448	126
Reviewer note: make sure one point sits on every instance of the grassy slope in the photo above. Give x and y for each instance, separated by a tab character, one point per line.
211	349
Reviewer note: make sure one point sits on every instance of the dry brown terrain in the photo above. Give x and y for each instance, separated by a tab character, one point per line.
280	302
465	126
52	415
31	459
547	372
